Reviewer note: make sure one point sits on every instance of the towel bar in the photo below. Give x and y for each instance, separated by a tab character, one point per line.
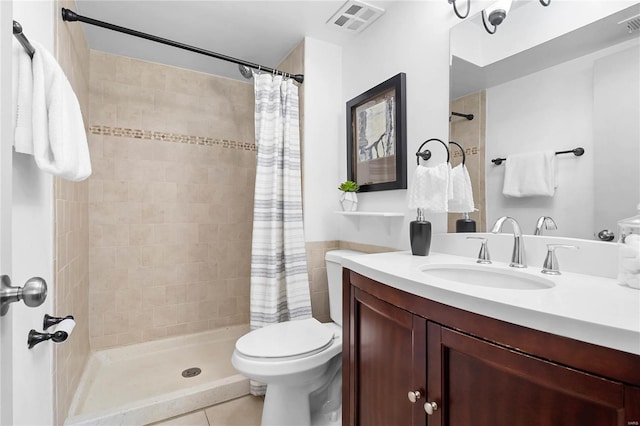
426	154
464	156
24	41
577	152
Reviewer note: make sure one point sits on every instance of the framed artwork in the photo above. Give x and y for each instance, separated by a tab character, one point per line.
377	137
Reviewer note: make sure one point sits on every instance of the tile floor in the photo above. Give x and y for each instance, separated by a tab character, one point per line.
245	411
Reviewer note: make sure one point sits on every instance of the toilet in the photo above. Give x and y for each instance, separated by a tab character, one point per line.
300	361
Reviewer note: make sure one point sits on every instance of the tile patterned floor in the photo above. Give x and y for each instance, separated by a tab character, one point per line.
245	411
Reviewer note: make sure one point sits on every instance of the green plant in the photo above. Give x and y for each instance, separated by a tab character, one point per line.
349	186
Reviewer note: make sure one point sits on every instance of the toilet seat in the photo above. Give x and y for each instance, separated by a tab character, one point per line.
286	340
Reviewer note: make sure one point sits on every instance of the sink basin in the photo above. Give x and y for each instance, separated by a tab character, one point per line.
482	275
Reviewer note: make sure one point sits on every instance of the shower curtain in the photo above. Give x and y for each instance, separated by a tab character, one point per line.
279	280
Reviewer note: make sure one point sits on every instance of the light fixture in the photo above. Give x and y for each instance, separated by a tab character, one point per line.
455	9
495	14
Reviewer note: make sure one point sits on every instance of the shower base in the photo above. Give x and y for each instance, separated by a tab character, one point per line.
143	383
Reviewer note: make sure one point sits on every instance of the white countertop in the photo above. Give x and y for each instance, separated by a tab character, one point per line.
583	307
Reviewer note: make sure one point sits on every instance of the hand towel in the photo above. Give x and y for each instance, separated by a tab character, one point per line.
461	200
430	188
22	91
59	138
530	175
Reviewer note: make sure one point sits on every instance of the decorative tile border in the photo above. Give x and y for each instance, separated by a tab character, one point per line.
170	137
455	152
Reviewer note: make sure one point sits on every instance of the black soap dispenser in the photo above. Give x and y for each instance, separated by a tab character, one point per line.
420	235
465	224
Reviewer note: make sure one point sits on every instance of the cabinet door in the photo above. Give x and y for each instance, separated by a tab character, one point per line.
387	360
477	383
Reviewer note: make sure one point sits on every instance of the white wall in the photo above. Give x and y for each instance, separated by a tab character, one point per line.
562	99
548	110
617	137
33	250
323	127
412	37
528	26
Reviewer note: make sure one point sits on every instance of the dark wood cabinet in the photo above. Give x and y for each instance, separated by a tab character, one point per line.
388	349
480	383
395	342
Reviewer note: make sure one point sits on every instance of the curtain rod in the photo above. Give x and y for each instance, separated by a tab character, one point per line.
69	15
22	39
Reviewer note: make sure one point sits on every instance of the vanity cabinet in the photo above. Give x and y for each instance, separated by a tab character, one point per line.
475	370
388	359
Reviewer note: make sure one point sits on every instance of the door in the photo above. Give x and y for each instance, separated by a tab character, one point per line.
475	382
5	207
26	238
388	360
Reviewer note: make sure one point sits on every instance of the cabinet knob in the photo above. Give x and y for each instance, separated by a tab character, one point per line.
414	396
430	407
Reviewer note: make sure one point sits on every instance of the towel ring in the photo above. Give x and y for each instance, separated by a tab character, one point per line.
426	154
464	156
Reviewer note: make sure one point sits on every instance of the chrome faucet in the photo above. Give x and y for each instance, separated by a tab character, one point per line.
518	258
545	222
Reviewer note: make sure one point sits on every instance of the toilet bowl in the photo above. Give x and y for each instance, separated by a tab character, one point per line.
300	361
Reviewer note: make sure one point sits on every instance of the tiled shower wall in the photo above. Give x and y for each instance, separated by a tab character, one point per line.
471	135
170	200
71	262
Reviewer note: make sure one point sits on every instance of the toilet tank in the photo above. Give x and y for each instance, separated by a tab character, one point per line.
333	260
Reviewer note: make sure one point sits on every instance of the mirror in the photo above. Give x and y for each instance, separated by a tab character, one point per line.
553	78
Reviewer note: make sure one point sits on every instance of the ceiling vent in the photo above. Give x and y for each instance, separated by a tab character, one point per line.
354	16
632	24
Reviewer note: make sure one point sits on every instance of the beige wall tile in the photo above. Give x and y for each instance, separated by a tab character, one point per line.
71	250
171	222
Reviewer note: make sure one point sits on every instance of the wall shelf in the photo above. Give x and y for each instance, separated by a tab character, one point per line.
386	216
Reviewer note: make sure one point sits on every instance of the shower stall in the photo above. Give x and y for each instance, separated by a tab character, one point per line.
169	224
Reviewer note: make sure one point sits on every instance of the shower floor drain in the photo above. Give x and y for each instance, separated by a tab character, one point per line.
191	372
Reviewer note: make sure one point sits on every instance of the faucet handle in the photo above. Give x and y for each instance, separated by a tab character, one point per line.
551	265
483	255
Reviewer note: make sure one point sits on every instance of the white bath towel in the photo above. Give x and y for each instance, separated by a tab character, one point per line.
461	200
530	174
430	189
59	138
22	91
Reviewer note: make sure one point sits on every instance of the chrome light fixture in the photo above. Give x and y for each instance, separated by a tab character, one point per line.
455	9
494	14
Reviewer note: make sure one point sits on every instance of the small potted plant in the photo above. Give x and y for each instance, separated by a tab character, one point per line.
349	199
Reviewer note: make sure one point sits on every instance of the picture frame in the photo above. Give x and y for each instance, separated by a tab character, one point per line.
377	137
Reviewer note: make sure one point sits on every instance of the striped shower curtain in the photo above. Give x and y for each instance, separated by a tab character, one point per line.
279	280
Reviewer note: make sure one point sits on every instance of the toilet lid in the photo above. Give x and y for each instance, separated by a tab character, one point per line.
286	339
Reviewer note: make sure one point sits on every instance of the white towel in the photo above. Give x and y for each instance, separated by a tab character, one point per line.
59	138
430	189
22	90
461	200
531	174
